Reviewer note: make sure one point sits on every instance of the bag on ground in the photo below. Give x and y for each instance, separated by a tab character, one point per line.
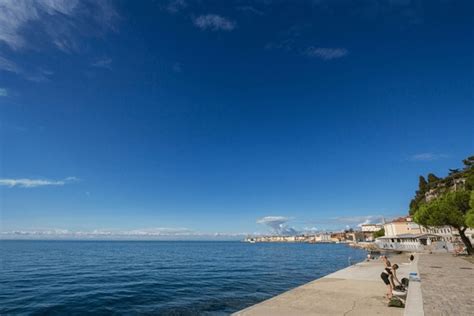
396	302
405	282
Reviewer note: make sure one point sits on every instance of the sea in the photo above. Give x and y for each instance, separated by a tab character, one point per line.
156	277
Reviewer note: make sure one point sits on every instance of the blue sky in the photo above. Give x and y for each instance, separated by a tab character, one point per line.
190	118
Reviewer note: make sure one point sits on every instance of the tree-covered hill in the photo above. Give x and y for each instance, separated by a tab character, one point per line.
447	201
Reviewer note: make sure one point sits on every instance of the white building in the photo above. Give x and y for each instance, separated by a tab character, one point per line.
414	242
323	237
447	233
404	234
371	228
402	226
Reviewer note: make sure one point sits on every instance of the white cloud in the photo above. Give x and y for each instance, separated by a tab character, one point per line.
16	14
35	25
427	157
326	53
340	222
36	75
174	6
3	92
359	220
278	225
33	183
59	21
214	22
250	9
8	65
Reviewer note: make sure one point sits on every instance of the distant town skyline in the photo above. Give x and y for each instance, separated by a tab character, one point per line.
198	119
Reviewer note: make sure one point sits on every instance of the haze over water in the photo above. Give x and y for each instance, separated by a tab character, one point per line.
156	277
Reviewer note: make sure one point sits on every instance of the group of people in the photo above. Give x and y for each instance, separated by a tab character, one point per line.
389	276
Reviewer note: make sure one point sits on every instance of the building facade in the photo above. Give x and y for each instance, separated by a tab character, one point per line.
405	225
372	228
402	226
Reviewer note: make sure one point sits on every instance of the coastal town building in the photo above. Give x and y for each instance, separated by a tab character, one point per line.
406	225
368	236
324	237
447	233
371	227
413	242
338	237
355	236
404	234
401	226
349	236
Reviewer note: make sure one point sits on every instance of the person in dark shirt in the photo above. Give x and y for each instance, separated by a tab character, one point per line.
389	275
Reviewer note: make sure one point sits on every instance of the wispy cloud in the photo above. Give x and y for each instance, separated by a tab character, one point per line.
278	224
251	10
33	183
343	222
214	22
59	20
174	6
15	14
103	63
326	53
8	65
36	75
3	92
359	220
427	157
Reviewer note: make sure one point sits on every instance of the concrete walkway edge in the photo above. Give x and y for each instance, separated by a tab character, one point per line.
414	301
356	290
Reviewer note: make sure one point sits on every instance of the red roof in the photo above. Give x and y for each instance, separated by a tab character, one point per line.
402	219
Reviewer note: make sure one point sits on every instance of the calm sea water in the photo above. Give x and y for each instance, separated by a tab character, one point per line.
165	278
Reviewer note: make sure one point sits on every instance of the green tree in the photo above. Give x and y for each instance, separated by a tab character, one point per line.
422	186
451	209
470	213
432	178
379	233
469	172
453	171
419	196
468	163
470	181
413	206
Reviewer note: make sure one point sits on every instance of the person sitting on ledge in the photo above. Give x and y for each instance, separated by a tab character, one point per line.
389	275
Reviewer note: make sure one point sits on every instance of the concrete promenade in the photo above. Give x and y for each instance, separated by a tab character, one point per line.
356	290
447	285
